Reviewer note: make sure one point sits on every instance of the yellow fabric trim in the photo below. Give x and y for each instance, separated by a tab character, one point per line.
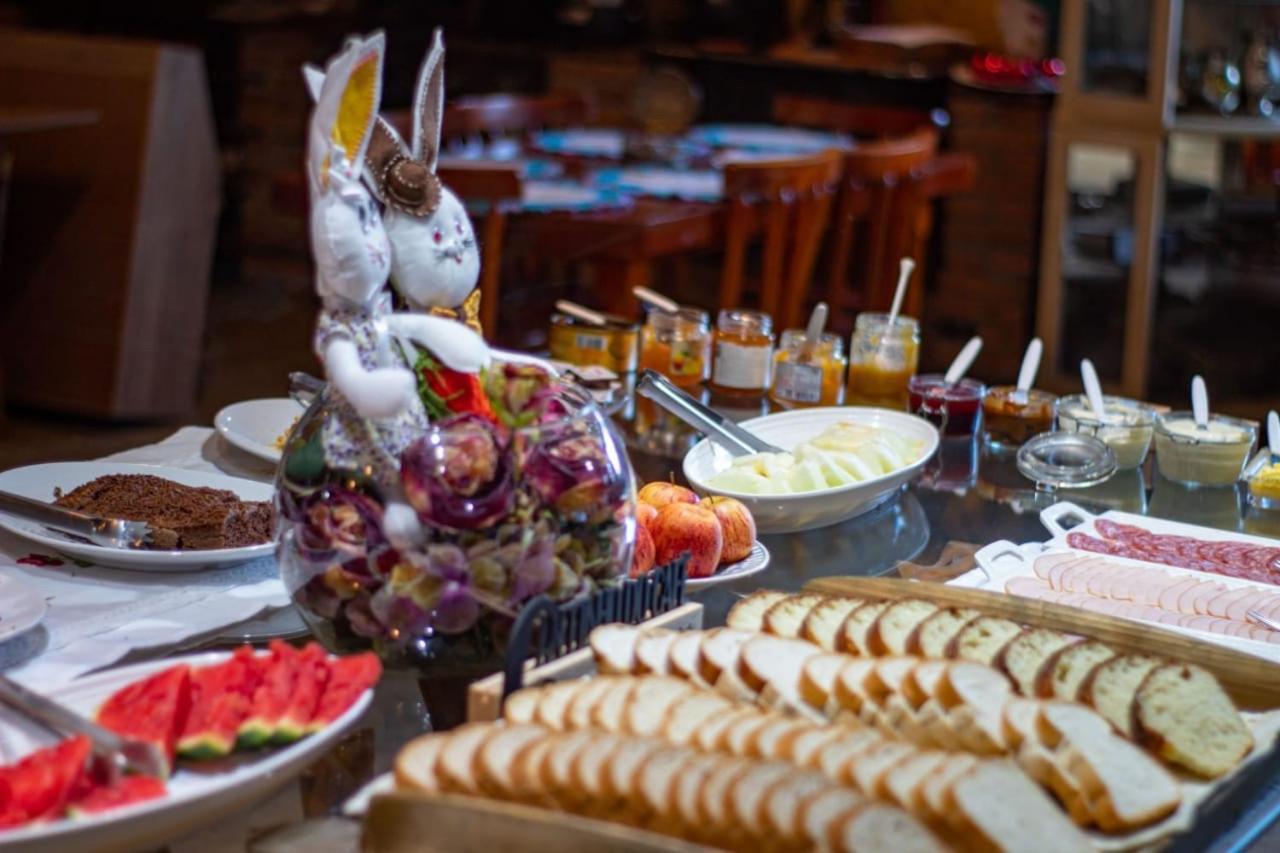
356	109
468	312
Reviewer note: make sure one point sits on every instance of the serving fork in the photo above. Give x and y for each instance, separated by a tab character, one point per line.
107	532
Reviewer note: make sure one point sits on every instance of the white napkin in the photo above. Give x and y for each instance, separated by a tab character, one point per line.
98	615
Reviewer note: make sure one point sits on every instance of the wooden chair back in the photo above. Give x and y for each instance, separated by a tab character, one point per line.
788	203
871	121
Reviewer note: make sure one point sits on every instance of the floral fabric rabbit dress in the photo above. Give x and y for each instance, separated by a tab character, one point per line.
353	442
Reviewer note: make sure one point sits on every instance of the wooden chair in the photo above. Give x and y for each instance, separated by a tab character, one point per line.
496	115
869	121
789	203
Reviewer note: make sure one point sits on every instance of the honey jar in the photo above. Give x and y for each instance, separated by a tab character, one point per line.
614	346
808	375
882	360
742	352
677	345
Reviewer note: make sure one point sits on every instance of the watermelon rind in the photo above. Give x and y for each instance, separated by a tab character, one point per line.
220	703
276	688
313	672
349	678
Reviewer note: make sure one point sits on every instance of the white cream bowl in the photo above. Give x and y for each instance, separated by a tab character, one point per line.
789	513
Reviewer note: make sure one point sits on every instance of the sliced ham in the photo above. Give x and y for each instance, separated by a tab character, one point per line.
1148	589
1205	593
1238	610
1219	603
1239	629
1199	623
1168	598
1027	587
1221	626
1044	562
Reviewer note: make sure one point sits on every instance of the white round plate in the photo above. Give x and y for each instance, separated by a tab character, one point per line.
195	797
21	608
256	426
39	481
810	510
755	562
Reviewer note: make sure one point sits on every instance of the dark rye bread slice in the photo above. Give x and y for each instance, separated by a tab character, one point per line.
181	517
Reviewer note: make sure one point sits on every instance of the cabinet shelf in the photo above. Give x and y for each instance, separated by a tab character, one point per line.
1258	127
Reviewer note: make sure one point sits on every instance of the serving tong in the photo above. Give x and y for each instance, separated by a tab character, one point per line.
115	754
721	430
107	532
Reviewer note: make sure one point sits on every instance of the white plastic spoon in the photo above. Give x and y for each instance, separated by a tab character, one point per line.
1200	402
963	361
905	267
813	332
581	312
1273	435
1093	390
1027	373
655	299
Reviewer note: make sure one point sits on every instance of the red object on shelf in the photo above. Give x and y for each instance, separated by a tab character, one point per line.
997	68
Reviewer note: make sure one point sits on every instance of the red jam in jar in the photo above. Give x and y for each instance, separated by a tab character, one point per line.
953	409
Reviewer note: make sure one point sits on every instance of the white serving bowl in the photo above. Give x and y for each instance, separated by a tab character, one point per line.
809	510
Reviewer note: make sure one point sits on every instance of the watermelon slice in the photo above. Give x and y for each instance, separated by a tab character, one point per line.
349	677
313	672
125	792
273	696
40	784
152	710
220	700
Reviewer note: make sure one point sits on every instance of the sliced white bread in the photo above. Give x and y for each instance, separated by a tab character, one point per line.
581	706
495	760
558	763
719	652
1050	770
834	759
713	796
624	767
784	806
1125	786
655	782
1111	687
818	679
920	689
691	713
710	737
1020	717
853	687
554	701
652	649
590	769
786	617
995	806
653	697
520	706
682	657
1062	674
614	647
976	694
749	794
902	783
868	768
822	626
776	662
609	713
739	738
982	639
823	812
1182	713
933	636
455	766
748	613
931	796
857	626
526	773
693	775
876	827
1022	657
806	746
773	741
891	630
415	766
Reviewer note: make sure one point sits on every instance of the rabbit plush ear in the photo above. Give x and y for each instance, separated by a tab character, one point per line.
428	104
346	109
313	79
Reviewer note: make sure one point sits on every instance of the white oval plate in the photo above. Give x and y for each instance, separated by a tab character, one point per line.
39	481
755	562
21	608
255	426
810	510
195	798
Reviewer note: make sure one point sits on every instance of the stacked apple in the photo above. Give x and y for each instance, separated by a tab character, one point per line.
714	531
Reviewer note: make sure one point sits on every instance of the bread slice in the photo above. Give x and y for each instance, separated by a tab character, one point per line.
738	738
1125	786
1182	713
902	783
786	617
710	737
623	769
691	712
1049	769
1111	687
749	794
495	760
784	806
818	679
853	687
652	648
748	613
713	796
655	782
455	766
776	662
823	812
920	689
590	770
835	758
553	703
891	630
719	652
526	773
609	713
868	769
521	706
822	626
1062	674
1022	657
994	806
1020	719
981	691
857	626
614	647
804	748
693	775
773	741
932	637
682	657
558	763
582	705
653	697
415	766
931	796
982	639
876	827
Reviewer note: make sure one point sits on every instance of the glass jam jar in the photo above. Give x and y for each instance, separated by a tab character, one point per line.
742	360
1010	418
953	409
805	375
677	345
882	360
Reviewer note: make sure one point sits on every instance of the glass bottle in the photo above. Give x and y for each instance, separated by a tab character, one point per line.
882	360
808	375
742	352
677	345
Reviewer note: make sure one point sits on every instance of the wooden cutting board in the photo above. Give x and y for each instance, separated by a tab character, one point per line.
1253	683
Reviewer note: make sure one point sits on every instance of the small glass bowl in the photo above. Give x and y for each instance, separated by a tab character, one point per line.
1215	457
1127	429
1066	460
1009	420
1261	479
953	409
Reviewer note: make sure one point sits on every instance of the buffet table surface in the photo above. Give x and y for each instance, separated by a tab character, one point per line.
965	500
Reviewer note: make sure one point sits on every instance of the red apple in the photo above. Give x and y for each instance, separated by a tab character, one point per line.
688	528
659	493
642	558
736	523
645	513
